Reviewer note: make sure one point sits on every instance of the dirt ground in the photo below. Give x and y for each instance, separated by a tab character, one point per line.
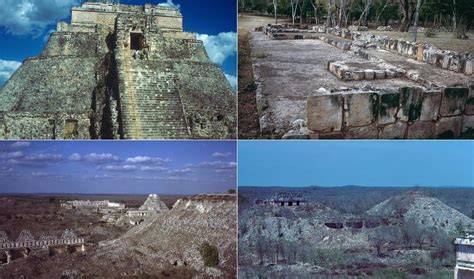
248	22
248	114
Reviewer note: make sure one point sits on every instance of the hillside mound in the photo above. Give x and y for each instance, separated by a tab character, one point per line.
428	211
174	238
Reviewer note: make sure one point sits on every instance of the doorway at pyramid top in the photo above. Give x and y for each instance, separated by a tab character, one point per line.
137	40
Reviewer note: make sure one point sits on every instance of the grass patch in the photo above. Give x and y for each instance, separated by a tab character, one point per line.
260	55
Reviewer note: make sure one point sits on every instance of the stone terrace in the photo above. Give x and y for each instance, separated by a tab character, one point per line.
300	81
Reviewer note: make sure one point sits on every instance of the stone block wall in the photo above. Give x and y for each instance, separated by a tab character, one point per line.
449	60
77	44
209	104
410	113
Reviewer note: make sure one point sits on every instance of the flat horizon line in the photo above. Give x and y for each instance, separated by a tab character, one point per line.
100	194
358	186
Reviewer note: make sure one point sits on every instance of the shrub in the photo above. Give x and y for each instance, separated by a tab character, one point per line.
209	254
460	34
430	33
260	55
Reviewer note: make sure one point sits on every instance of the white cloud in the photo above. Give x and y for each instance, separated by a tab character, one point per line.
233	81
20	144
152	168
39	174
219	47
44	157
11	155
7	68
100	158
31	17
169	3
221	155
7	169
118	168
145	159
75	157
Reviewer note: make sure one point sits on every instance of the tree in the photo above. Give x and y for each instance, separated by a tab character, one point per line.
365	11
380	8
330	20
378	239
408	8
275	8
294	8
316	4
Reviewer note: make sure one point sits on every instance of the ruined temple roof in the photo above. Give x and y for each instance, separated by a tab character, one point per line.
161	10
153	203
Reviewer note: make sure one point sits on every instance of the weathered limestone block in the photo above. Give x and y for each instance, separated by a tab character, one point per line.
365	132
446	61
379	74
421	130
393	131
390	74
468	126
360	109
325	112
410	103
453	101
369	74
430	105
358	75
468	70
388	107
420	53
456	64
449	127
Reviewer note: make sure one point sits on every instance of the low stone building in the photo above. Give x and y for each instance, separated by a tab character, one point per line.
288	199
119	72
464	257
151	206
105	204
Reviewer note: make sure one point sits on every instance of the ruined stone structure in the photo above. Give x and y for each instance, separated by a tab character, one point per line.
288	199
119	72
151	206
26	241
464	257
378	88
105	204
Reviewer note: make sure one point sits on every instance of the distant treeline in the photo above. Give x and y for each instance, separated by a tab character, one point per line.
444	14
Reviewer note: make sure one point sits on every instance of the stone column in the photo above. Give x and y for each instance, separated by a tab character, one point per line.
9	256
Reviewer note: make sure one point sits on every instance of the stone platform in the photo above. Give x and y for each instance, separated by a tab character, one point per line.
347	89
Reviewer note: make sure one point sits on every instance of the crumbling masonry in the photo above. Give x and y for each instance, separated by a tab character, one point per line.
118	71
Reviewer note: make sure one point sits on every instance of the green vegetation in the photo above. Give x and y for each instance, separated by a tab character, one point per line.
260	55
209	254
430	33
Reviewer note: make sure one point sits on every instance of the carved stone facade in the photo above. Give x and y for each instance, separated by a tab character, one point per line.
464	257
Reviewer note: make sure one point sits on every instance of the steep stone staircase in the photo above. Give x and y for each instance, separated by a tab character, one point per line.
151	105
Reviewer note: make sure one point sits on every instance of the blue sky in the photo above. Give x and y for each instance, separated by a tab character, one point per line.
363	163
136	167
25	26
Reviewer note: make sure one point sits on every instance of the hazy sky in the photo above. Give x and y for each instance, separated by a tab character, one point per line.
166	167
364	163
25	27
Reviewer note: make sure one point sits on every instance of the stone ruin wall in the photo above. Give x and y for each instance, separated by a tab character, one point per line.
429	111
411	113
72	91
